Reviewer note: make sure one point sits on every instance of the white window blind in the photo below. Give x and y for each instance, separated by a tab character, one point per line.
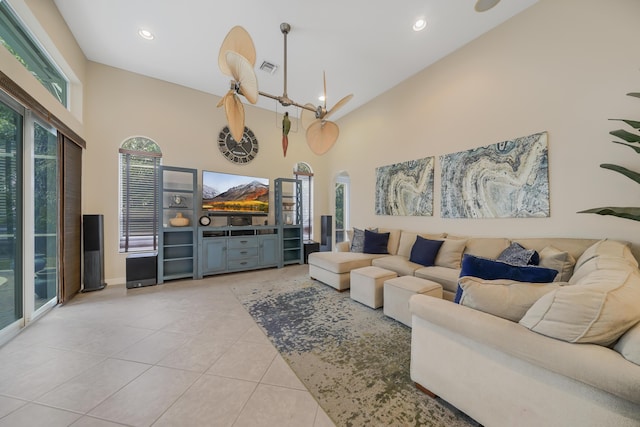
139	198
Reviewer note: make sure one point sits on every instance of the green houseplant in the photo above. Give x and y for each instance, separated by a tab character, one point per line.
631	140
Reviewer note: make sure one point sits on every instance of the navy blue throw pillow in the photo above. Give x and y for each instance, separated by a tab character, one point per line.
375	243
424	251
489	269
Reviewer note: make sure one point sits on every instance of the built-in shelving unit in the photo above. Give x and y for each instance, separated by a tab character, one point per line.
177	238
288	201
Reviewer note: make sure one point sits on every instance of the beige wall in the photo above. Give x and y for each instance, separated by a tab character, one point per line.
185	123
563	66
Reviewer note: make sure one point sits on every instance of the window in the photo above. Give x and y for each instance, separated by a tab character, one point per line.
139	163
304	173
342	206
19	41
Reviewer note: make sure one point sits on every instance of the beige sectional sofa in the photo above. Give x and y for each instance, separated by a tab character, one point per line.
543	369
333	268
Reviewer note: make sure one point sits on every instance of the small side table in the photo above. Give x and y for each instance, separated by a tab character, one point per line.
310	247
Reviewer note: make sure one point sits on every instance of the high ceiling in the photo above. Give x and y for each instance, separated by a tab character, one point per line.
365	47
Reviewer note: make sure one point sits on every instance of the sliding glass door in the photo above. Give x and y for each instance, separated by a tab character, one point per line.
45	201
11	138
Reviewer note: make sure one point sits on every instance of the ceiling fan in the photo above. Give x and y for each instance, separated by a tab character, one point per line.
237	59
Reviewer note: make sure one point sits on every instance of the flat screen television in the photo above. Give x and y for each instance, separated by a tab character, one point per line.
230	194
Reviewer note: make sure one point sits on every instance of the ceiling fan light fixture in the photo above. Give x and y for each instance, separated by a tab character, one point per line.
484	5
420	24
146	34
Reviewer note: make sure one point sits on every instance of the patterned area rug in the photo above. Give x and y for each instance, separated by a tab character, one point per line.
353	359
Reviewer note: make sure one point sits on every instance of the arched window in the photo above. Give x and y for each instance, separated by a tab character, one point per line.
140	159
304	173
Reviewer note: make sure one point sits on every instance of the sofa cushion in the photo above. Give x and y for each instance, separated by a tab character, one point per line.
394	239
486	247
508	299
424	251
516	254
629	345
341	262
375	243
598	309
401	265
408	238
447	277
608	249
450	253
492	269
561	261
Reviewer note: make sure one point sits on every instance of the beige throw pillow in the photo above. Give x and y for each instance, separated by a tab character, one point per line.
450	253
503	298
598	309
562	262
608	249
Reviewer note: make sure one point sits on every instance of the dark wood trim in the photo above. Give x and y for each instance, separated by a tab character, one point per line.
426	391
32	104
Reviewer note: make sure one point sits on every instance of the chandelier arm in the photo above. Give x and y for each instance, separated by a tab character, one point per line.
290	102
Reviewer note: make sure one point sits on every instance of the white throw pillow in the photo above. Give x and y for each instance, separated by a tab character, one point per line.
502	297
598	309
450	253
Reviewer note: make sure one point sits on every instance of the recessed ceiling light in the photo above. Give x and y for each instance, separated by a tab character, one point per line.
420	24
145	34
321	98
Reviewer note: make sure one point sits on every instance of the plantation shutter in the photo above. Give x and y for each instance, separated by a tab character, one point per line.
139	200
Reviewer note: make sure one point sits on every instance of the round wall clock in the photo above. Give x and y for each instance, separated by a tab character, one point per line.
238	152
205	220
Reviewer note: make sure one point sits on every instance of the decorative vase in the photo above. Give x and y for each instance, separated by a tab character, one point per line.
179	220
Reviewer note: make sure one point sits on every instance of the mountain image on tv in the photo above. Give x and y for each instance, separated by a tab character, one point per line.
234	193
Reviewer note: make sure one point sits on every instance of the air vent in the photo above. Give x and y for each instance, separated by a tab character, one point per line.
268	67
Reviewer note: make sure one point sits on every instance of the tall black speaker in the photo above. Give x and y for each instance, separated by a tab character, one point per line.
325	233
93	244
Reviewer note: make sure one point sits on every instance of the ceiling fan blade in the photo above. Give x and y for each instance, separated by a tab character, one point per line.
307	117
237	40
242	72
235	115
321	136
339	105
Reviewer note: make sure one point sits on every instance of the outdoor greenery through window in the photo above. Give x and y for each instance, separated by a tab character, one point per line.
17	39
139	168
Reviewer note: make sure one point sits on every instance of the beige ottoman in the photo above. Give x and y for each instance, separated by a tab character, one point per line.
398	291
367	284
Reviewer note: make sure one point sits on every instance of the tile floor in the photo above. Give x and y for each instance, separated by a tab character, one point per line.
179	354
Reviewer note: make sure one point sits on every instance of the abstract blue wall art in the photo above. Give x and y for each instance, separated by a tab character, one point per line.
405	189
509	179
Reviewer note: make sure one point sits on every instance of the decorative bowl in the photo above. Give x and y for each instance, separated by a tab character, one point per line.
179	221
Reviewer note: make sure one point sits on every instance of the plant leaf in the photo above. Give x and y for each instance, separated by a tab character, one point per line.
624	171
636	94
627	213
637	149
627	136
634	124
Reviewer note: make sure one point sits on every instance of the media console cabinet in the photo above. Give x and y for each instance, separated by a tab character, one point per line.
237	248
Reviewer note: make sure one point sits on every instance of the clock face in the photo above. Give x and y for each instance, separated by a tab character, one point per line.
238	152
